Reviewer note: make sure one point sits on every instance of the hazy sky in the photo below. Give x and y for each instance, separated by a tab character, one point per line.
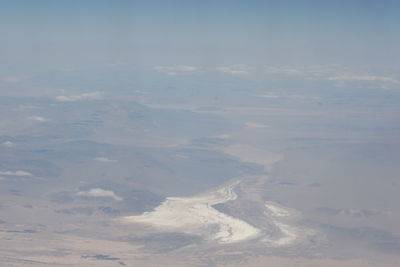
60	34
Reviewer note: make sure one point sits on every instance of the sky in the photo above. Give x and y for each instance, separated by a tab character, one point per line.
61	34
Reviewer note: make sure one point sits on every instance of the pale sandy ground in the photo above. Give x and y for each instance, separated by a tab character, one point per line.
45	249
301	262
63	250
